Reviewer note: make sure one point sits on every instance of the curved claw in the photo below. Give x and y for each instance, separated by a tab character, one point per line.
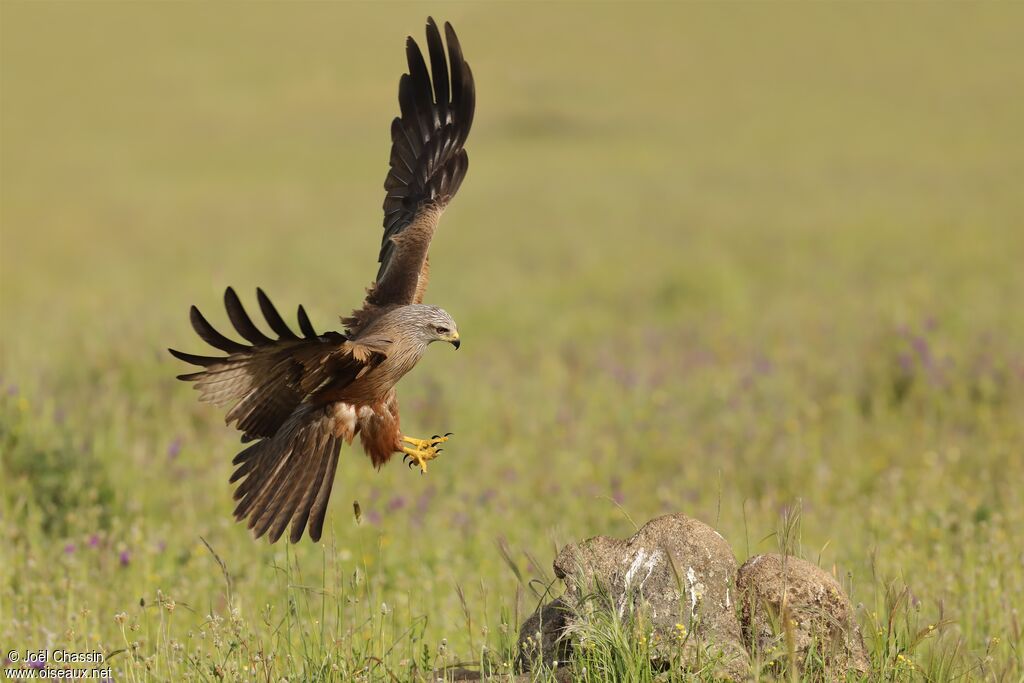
411	463
448	434
439	451
436	436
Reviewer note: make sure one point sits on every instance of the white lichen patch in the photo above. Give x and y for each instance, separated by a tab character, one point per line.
695	589
642	564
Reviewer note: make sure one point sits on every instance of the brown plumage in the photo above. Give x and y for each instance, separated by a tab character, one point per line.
298	397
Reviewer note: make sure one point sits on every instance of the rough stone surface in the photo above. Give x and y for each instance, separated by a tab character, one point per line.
562	675
823	617
540	637
674	570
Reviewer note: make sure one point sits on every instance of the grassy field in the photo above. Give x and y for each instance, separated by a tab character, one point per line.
716	259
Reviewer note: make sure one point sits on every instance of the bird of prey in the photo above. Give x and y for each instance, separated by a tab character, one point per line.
298	397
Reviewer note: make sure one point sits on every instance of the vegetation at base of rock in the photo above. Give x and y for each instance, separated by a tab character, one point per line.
794	612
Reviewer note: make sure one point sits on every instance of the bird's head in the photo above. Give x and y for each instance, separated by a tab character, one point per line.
435	324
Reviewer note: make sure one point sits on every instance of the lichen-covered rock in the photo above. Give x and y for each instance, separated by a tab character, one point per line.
540	637
562	675
821	616
677	575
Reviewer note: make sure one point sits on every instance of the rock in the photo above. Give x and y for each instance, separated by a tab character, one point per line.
457	674
675	573
540	637
823	616
562	675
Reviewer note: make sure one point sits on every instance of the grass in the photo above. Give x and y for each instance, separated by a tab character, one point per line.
709	259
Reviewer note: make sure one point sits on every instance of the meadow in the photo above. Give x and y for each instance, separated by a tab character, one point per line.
727	260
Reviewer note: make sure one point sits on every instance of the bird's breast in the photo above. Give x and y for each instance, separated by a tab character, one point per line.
378	381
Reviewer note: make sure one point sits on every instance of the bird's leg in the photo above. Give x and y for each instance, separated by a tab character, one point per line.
422	450
423	443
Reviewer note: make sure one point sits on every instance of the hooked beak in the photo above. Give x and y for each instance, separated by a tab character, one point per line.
455	340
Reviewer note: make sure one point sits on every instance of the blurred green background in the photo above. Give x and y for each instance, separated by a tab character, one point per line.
709	258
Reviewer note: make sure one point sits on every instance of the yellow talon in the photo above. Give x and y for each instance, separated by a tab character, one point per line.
423	450
420	457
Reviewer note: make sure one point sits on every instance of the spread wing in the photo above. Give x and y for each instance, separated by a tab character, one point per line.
273	387
428	163
265	381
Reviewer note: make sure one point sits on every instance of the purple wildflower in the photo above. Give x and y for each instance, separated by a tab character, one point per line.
625	376
12	390
70	549
762	365
125	558
174	448
36	664
396	503
922	348
94	541
373	517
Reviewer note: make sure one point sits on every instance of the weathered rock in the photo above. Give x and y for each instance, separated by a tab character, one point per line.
674	572
821	616
540	637
562	675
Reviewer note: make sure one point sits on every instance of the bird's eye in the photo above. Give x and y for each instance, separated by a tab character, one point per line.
441	329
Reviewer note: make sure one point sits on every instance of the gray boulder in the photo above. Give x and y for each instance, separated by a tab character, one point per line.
821	618
676	574
562	675
541	637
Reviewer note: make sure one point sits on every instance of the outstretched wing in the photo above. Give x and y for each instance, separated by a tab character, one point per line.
428	163
265	381
275	387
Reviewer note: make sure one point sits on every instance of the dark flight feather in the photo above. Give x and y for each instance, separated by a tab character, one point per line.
305	325
427	166
241	320
274	319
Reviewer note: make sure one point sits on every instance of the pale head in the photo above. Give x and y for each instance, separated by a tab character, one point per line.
414	326
433	323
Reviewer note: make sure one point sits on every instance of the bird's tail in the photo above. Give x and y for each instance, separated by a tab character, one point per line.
288	477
